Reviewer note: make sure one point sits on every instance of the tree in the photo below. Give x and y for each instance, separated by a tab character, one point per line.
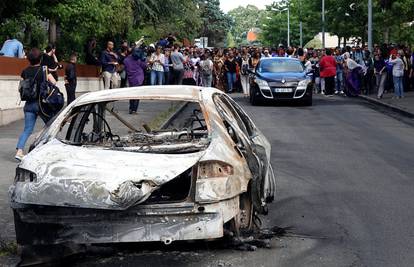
245	19
214	23
275	23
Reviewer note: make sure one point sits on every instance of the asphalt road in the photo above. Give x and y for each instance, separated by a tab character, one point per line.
345	183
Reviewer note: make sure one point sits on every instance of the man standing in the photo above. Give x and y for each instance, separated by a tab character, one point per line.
70	78
109	61
397	74
177	60
230	65
328	71
339	72
12	48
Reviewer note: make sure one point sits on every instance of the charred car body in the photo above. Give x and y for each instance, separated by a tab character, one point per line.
95	177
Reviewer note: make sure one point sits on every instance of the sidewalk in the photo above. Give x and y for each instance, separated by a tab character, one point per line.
404	105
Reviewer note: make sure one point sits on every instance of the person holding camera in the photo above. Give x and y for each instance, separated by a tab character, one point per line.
50	60
109	61
397	74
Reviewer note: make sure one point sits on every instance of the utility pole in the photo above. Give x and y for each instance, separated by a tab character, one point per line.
323	23
370	25
288	29
300	24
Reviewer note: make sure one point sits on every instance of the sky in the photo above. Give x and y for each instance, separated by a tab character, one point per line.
227	5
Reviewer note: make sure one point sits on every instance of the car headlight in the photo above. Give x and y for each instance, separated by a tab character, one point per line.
302	85
23	175
263	85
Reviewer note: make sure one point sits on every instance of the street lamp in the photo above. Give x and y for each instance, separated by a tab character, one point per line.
288	21
323	24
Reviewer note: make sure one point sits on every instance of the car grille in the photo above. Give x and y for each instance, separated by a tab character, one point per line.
282	85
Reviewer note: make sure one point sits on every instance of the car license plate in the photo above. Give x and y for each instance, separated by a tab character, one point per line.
283	90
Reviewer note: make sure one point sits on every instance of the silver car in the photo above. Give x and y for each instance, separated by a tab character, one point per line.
189	163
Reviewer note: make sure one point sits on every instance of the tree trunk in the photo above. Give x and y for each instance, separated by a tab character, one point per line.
386	36
52	31
344	41
339	41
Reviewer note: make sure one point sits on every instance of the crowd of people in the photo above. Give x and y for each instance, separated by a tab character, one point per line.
349	70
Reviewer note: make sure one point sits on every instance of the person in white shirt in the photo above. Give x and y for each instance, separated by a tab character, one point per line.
157	61
397	74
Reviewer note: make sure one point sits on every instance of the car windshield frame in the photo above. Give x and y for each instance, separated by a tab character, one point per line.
279	65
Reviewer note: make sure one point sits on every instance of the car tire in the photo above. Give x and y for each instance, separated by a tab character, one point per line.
307	102
243	221
254	98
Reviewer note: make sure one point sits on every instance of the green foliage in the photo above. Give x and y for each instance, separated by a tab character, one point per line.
79	20
245	19
341	19
275	31
215	24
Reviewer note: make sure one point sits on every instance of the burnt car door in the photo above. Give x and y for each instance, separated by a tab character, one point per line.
254	148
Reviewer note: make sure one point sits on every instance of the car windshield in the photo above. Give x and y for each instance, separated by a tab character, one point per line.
158	126
280	65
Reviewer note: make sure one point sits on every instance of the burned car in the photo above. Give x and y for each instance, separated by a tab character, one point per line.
188	164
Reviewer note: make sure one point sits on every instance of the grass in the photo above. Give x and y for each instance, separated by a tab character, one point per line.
158	120
7	248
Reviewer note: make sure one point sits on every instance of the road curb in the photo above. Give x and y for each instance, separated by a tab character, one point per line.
400	110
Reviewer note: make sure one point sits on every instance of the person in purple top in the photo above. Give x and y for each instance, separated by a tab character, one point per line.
135	67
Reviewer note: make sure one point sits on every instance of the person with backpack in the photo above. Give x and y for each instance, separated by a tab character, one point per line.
29	88
206	70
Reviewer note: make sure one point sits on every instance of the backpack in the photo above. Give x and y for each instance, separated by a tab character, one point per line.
29	88
51	100
205	68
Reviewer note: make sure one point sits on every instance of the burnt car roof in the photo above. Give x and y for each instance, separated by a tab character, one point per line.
167	92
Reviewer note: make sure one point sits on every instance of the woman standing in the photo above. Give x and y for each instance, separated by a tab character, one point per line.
353	83
206	70
254	60
135	67
167	65
31	108
244	74
218	72
156	62
231	67
188	77
380	70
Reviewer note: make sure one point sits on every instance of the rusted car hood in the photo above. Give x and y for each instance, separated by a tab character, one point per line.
96	178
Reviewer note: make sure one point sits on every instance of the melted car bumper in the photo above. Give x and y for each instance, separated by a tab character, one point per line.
41	225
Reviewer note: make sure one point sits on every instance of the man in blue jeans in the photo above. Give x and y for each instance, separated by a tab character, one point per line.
339	72
230	66
397	74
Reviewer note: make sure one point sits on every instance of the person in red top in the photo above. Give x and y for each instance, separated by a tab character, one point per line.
327	67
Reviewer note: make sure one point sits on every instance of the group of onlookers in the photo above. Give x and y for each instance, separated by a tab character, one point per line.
388	68
350	70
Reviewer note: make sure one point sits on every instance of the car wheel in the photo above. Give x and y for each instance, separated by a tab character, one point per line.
307	101
254	98
243	221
